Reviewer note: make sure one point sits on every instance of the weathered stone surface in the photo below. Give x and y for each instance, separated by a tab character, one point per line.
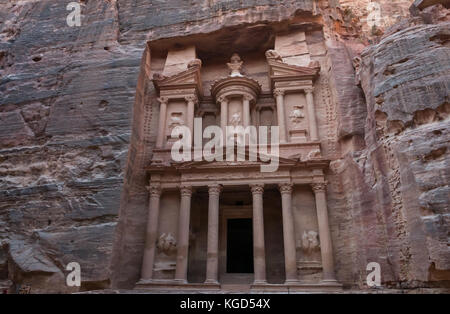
66	129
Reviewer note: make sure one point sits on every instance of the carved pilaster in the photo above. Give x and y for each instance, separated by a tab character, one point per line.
313	130
259	254
162	121
290	259
279	94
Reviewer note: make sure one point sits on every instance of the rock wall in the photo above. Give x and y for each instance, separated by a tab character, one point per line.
72	98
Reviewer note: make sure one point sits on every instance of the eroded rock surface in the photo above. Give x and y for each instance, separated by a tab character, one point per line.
66	129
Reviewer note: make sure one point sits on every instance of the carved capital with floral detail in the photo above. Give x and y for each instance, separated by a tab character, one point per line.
214	189
248	97
163	100
309	90
191	98
278	92
186	190
154	189
222	99
319	187
286	188
257	188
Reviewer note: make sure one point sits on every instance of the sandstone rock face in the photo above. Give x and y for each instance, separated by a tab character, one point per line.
68	128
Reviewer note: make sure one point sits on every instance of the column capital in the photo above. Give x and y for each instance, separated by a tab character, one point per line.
309	90
257	188
319	187
278	92
247	97
154	189
191	98
186	190
214	189
285	188
222	99
163	100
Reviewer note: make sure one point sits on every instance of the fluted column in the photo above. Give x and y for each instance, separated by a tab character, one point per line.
259	252
246	108
314	134
162	121
223	116
279	94
151	232
326	248
290	259
191	100
183	234
212	263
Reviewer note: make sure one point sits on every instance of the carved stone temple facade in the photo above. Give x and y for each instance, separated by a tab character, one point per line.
217	224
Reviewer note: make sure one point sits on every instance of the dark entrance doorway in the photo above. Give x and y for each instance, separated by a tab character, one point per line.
239	246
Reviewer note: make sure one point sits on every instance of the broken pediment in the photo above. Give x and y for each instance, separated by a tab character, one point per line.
281	71
188	79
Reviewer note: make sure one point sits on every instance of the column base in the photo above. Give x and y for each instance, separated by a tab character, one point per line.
211	282
291	281
173	286
181	281
297	287
259	282
330	282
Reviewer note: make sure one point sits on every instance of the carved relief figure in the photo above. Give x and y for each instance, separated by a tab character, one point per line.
297	115
310	241
314	154
235	65
167	244
176	120
273	55
235	119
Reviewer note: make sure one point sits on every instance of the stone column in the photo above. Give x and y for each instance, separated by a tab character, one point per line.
183	234
326	248
223	116
246	109
259	252
314	135
191	100
212	264
290	258
152	231
280	113
162	121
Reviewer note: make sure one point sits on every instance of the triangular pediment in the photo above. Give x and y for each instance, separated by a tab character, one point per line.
280	69
189	78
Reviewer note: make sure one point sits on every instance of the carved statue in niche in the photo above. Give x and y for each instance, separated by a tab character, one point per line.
297	115
167	244
176	120
310	241
235	65
236	119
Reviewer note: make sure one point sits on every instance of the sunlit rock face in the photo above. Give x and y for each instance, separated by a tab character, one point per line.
74	144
